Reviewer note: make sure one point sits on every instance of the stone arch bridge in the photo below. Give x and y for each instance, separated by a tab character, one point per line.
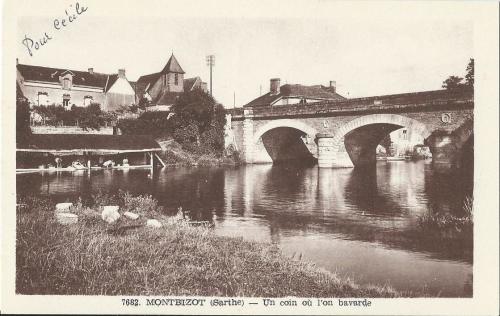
346	133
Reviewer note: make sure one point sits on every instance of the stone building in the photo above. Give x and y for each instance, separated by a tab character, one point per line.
160	90
66	87
290	94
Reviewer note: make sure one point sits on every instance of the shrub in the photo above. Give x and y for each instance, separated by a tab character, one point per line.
90	117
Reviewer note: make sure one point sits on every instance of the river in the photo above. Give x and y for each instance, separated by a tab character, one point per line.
361	224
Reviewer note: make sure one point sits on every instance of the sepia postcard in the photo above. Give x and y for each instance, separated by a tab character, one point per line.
250	157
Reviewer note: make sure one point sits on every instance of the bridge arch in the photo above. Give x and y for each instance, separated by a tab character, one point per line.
296	124
392	119
354	144
284	140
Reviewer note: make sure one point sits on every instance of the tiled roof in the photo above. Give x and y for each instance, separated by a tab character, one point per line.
111	80
296	90
47	74
146	81
167	98
189	83
173	66
133	84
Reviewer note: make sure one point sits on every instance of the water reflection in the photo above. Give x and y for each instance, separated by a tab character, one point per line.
361	223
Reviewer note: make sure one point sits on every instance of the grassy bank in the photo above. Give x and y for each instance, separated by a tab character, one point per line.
450	226
175	155
127	258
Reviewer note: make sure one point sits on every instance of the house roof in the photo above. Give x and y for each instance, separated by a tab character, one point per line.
167	98
133	84
189	83
172	66
110	82
48	74
296	90
88	143
145	82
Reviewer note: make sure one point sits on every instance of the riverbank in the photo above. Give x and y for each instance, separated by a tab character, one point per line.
173	154
92	257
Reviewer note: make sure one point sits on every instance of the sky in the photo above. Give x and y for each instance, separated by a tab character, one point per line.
365	57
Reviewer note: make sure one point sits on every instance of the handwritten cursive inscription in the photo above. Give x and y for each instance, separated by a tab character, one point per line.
33	44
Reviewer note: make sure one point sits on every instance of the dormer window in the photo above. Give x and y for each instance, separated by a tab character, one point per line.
66	80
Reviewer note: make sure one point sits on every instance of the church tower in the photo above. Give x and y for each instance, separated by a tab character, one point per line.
173	76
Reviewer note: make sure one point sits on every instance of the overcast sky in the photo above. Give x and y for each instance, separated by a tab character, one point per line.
365	56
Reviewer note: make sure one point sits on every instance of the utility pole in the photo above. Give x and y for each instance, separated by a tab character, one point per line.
211	63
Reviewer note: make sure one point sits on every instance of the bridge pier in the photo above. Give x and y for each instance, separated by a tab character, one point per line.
326	153
445	152
248	146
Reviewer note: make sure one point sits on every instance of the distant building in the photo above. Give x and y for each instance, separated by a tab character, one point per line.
45	86
160	90
290	94
405	139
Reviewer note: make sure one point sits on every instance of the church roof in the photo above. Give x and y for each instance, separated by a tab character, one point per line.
172	66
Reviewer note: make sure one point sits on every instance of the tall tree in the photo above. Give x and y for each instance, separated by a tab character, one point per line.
23	130
469	77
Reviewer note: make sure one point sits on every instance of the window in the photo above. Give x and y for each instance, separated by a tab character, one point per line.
405	134
87	100
66	98
176	78
43	98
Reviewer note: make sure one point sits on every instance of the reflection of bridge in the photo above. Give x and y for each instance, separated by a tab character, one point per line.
346	133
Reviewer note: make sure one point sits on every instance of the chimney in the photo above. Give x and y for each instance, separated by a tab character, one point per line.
91	71
333	86
275	86
121	73
17	61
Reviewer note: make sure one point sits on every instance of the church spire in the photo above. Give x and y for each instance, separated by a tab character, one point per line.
173	66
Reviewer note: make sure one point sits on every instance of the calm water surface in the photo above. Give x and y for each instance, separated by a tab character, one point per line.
360	224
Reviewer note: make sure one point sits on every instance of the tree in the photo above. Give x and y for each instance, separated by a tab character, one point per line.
196	106
453	83
196	122
199	122
469	77
386	142
23	130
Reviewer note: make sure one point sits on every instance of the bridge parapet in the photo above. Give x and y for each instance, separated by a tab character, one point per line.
395	103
